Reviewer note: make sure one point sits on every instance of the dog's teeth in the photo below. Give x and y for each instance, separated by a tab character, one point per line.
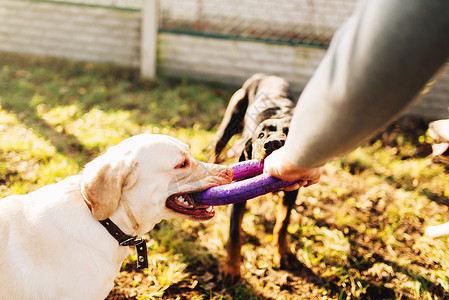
210	209
180	198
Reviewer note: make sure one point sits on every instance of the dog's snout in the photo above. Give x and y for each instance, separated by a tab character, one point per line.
227	174
221	174
270	146
273	144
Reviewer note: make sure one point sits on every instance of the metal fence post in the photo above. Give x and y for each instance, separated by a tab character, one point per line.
148	44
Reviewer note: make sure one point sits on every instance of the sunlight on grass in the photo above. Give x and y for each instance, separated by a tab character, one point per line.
331	246
165	268
99	129
29	160
59	115
19	138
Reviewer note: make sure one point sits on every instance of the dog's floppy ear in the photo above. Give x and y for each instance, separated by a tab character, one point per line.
251	84
102	183
247	153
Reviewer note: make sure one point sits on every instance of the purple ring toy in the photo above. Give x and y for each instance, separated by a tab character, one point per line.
244	189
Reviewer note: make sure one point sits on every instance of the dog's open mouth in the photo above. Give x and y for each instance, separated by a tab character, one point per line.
185	205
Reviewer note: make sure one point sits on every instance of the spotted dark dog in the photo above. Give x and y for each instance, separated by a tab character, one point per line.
261	110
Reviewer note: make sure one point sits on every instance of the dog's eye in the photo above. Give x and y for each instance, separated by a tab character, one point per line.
183	165
285	130
261	135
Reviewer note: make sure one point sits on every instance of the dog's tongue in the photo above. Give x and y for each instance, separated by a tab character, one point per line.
439	149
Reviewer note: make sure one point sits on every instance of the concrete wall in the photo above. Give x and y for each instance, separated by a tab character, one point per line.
233	61
312	21
95	31
70	31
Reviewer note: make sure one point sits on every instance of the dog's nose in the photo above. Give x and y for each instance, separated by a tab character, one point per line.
227	174
270	146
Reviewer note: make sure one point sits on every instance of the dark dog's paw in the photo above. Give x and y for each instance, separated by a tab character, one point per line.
230	273
230	279
286	261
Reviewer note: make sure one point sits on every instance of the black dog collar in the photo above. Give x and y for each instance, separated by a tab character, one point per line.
126	240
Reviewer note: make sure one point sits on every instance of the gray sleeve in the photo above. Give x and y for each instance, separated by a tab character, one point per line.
376	64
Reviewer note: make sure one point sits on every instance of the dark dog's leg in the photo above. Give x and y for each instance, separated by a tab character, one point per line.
231	267
232	121
283	257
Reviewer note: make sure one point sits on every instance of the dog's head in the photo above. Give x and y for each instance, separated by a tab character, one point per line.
270	135
153	174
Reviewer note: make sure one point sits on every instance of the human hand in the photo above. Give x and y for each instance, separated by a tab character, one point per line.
277	165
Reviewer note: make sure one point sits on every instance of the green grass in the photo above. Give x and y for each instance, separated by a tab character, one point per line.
358	233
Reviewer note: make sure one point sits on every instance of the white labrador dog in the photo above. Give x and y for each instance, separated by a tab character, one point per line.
52	245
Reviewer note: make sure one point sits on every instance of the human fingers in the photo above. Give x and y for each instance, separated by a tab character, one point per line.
314	175
295	186
272	164
278	166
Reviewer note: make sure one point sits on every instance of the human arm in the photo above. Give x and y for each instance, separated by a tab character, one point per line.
376	65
